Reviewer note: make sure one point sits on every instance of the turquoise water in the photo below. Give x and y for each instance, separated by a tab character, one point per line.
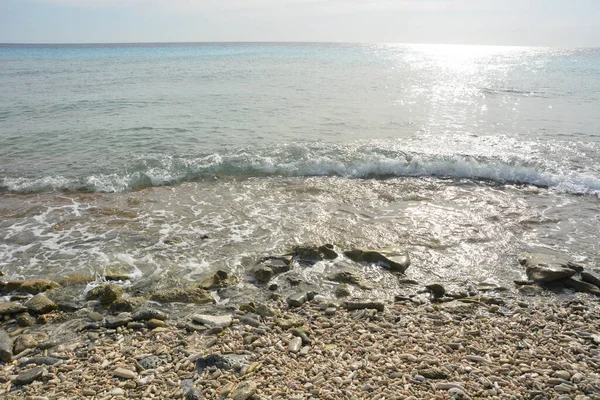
127	155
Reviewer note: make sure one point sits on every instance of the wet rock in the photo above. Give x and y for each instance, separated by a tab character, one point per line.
25	319
393	259
530	290
590	278
270	267
545	268
127	304
347	275
105	293
436	290
580	286
117	275
31	286
224	361
149	313
41	361
297	299
251	320
11	308
28	341
6	346
76	279
220	279
342	291
40	304
68	306
190	295
155	323
302	334
244	390
264	310
122	319
95	316
26	377
212	321
364	304
307	254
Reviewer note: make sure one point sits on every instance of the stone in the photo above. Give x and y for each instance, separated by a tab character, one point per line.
127	304
269	267
307	253
124	373
31	286
295	345
6	346
220	361
562	374
222	321
95	316
30	375
76	279
244	390
433	373
28	341
189	391
297	299
151	362
40	304
190	295
148	314
590	278
436	290
580	286
220	279
68	306
457	393
11	308
106	294
530	290
41	361
116	321
264	310
155	323
25	319
342	291
364	304
545	268
115	275
393	259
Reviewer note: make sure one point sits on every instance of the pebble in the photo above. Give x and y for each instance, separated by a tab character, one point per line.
124	373
295	344
30	375
244	390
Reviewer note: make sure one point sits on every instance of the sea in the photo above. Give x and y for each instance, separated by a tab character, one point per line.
175	160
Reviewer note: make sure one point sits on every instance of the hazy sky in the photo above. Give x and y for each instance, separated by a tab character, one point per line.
572	23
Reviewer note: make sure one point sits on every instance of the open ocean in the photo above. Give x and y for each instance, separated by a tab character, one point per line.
128	155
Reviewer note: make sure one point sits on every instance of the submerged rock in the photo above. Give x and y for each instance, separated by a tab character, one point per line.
105	293
581	286
545	268
148	314
393	259
436	290
193	295
127	304
220	361
270	267
31	286
220	279
40	304
342	291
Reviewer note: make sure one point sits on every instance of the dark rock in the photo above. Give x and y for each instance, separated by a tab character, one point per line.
105	293
25	319
48	344
364	304
589	278
574	266
152	362
6	346
342	291
436	290
273	287
219	280
393	259
149	313
122	319
189	391
40	304
68	306
127	304
269	267
433	373
190	295
545	268
28	341
41	361
11	308
220	361
137	325
297	299
26	377
307	253
302	334
581	286
91	326
31	286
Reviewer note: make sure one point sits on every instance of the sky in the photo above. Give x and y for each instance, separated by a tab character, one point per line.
562	23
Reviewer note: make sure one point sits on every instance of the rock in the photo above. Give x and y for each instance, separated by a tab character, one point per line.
76	279
6	346
219	280
25	319
11	308
28	341
580	286
124	373
346	275
544	267
41	361
270	267
155	323
117	275
212	321
457	393
105	293
189	391
436	290
31	286
364	304
589	278
251	320
127	304
190	295
307	254
287	323
151	362
40	304
95	316
220	361
244	390
530	290
26	377
264	310
302	334
122	319
148	314
297	299
342	291
433	373
562	374
458	307
295	345
393	259
68	306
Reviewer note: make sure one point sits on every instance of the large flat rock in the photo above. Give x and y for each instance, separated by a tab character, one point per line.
545	268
